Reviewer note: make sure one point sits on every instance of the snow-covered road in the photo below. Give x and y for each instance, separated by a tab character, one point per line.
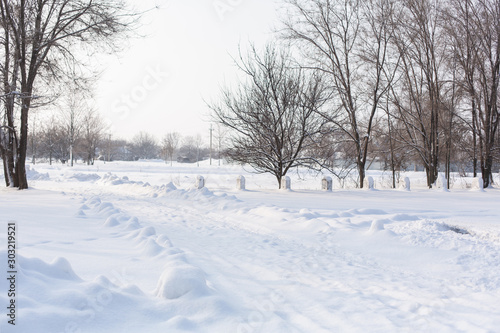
216	260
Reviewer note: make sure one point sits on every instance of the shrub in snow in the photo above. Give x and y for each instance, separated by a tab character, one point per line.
326	183
200	182
240	183
285	183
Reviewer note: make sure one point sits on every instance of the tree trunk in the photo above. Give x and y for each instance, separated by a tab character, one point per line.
23	145
391	148
486	171
361	170
278	177
448	164
5	170
10	175
474	139
11	142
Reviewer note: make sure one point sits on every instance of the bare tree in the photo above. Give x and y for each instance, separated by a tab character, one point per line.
115	149
53	143
41	42
463	44
192	149
348	41
389	150
333	152
74	119
474	29
144	146
198	144
187	150
220	137
272	115
418	99
92	134
170	143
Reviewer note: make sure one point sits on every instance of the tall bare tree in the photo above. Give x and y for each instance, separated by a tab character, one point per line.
474	29
348	41
420	42
53	144
73	117
198	144
273	114
220	137
144	146
170	143
460	30
41	41
93	130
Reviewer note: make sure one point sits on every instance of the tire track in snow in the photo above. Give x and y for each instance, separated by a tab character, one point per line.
244	251
348	288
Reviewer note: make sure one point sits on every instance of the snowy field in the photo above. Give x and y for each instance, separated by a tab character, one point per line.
134	247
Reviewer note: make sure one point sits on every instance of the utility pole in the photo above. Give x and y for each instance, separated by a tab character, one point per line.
109	147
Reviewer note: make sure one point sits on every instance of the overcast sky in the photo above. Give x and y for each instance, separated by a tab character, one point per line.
159	82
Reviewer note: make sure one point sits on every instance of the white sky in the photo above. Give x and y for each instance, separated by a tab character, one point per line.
159	82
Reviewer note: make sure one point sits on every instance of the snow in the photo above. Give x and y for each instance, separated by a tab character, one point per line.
135	246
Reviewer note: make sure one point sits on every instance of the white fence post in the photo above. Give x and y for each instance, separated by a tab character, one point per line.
442	183
477	183
200	182
369	184
405	184
326	183
240	182
285	183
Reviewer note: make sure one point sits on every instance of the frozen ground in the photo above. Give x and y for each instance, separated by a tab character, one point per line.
133	247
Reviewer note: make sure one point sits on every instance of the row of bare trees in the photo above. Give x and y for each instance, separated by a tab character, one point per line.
173	146
411	82
75	133
81	135
44	45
